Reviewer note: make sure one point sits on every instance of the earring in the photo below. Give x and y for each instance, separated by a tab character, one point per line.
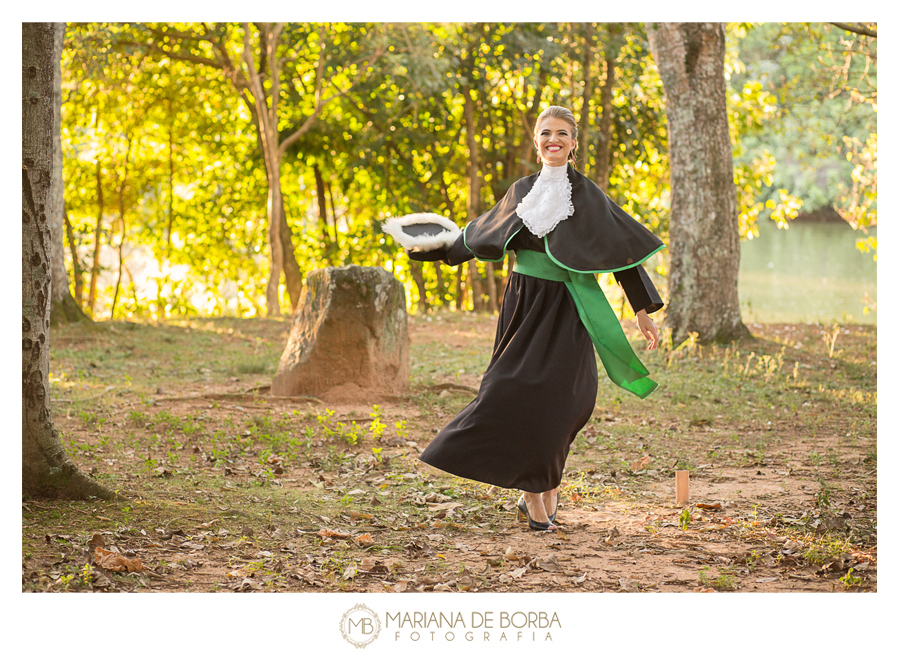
539	158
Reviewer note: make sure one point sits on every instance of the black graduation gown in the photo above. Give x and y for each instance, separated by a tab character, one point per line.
540	387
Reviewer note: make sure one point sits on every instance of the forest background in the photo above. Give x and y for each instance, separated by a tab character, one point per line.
208	167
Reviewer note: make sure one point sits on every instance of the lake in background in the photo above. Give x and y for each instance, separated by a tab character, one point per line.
811	272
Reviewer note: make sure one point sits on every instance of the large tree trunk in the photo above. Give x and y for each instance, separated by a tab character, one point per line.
703	227
46	469
63	308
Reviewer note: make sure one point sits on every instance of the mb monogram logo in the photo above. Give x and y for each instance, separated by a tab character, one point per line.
360	626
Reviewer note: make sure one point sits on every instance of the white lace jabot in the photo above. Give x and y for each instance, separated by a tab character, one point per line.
549	201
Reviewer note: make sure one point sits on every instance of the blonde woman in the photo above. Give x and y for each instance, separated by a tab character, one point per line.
540	387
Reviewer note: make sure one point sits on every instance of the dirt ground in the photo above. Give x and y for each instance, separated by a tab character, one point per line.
227	489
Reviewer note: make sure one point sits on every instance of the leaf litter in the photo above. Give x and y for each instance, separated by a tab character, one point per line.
327	517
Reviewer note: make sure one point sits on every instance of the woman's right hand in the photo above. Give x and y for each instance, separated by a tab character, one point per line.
648	328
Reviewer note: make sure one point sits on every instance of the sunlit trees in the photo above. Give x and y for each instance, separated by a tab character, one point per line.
46	469
439	122
703	227
285	75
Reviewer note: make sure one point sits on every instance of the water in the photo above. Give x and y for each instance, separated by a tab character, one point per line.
810	272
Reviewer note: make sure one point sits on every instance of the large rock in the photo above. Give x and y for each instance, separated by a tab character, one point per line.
349	336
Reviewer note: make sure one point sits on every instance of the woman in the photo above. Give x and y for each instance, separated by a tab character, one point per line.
540	387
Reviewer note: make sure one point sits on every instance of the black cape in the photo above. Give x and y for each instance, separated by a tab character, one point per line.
598	237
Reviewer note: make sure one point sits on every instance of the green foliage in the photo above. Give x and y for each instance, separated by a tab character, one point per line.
808	108
163	148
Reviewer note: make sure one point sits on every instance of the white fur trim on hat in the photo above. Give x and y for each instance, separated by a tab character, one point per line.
394	228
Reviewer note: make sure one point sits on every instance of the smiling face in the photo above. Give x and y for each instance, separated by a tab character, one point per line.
554	141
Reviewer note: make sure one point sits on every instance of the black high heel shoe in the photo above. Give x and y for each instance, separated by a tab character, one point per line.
522	510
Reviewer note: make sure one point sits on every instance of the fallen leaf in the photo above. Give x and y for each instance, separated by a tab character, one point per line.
247	584
443	506
115	561
715	506
334	534
629	584
466	583
517	573
549	563
350	572
640	464
705	590
400	586
365	540
580	579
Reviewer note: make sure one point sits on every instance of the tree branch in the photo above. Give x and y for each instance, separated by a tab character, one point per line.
857	29
285	145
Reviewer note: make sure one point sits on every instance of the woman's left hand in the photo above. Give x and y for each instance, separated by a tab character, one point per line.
648	328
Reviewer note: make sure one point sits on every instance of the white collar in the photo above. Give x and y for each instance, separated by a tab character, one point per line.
554	173
547	203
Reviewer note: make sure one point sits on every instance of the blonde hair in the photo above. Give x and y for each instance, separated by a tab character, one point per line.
559	112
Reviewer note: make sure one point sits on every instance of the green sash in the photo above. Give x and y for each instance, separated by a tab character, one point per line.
622	366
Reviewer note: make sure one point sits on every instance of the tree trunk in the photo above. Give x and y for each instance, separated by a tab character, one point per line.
459	292
293	277
63	308
415	268
587	63
334	220
98	231
473	204
276	254
323	214
475	288
77	273
491	287
120	193
46	469
703	226
603	155
441	285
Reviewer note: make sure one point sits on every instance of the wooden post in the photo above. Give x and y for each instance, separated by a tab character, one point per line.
681	487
